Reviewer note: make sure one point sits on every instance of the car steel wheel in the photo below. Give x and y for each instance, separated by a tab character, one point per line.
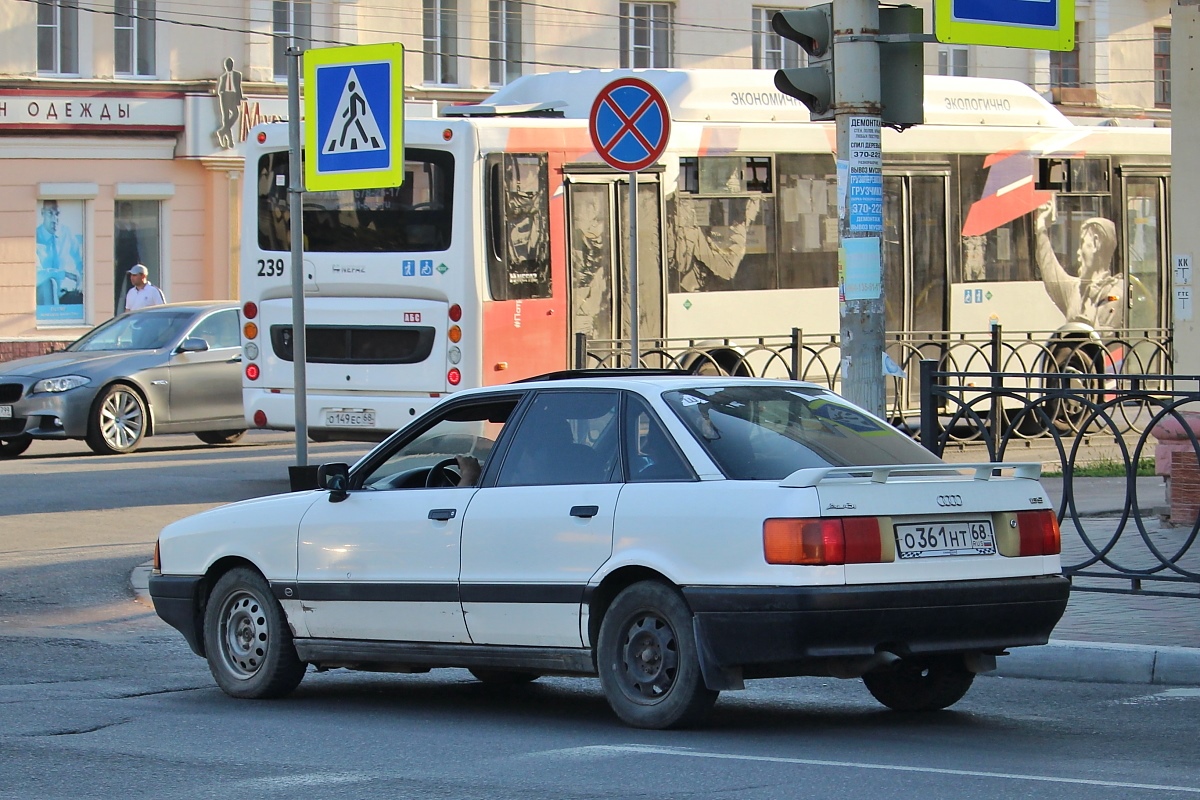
244	634
118	421
647	658
247	640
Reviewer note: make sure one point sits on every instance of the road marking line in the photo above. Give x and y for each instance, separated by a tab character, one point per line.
600	750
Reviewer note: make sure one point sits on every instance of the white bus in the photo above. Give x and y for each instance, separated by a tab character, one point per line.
509	237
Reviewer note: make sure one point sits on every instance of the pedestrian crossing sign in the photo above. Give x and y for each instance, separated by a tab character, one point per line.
354	117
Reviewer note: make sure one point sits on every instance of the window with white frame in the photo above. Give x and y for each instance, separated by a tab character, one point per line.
504	40
772	51
952	60
289	18
646	35
133	37
441	41
1162	67
58	37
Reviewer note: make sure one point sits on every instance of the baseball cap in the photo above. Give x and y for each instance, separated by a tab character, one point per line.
138	269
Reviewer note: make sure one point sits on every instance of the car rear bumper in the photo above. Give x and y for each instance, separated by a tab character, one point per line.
174	599
747	627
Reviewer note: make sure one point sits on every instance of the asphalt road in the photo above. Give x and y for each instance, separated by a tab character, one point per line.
98	698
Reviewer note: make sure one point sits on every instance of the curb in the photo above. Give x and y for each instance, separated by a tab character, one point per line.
1092	662
1098	662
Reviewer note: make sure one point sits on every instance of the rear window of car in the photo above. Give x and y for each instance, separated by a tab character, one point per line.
769	432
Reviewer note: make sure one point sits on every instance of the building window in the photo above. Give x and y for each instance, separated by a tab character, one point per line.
137	239
646	35
61	263
772	51
290	18
952	61
58	37
1162	67
1064	66
441	41
133	37
504	46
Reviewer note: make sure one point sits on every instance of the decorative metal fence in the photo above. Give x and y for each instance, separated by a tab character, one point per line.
1077	358
1132	551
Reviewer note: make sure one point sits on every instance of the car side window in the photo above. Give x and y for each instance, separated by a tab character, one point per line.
566	437
220	330
650	452
452	450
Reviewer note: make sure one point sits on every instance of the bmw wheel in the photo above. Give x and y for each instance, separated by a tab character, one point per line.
247	640
13	446
118	421
647	658
921	684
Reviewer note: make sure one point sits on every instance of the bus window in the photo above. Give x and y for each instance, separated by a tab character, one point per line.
518	217
808	224
413	217
1003	252
722	238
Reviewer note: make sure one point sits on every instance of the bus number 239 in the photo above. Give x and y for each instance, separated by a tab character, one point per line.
270	267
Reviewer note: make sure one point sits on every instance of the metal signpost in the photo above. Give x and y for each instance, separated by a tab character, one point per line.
354	135
629	124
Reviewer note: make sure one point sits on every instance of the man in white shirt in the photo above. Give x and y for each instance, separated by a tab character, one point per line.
142	293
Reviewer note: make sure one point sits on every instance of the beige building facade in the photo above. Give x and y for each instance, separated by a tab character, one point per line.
120	119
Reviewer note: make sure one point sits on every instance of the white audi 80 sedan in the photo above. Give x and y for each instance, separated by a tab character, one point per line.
674	535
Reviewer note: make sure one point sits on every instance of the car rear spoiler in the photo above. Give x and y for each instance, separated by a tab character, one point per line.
984	471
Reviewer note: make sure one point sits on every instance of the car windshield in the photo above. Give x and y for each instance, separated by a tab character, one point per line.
138	331
769	432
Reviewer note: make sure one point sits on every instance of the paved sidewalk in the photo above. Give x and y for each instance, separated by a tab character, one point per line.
1102	637
1116	637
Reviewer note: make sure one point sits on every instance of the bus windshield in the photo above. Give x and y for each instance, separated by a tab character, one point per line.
413	217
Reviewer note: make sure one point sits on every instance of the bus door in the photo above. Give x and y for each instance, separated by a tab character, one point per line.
598	247
1145	238
914	251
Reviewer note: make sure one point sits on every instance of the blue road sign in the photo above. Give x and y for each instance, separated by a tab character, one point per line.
630	124
1030	24
354	117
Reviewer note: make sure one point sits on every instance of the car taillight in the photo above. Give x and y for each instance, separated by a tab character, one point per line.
252	371
250	330
157	558
454	376
250	310
260	418
1040	535
822	541
455	334
455	312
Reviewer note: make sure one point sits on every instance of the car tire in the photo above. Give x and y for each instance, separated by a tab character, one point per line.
219	437
647	659
118	421
247	640
13	446
921	684
503	677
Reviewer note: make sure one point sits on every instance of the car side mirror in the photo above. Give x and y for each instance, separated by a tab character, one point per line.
334	477
193	344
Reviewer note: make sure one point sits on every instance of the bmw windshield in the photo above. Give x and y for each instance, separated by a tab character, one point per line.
769	432
141	331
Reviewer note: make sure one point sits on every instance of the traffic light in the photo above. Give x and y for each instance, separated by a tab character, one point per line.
812	29
901	67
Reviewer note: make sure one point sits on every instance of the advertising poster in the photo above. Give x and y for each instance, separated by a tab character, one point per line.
60	263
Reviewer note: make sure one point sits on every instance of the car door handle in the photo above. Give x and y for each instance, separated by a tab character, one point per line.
584	511
443	514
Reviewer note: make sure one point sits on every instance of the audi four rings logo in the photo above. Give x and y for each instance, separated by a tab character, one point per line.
947	500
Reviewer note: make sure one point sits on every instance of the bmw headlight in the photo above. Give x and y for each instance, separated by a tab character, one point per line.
59	384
